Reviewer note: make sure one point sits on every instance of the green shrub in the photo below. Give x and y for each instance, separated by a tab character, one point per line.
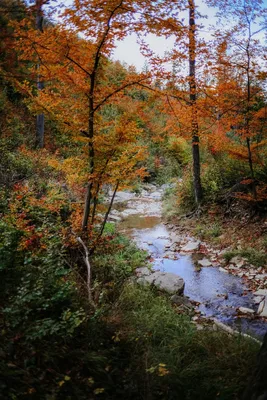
114	264
173	359
217	175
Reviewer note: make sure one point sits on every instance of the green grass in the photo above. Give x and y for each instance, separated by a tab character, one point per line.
255	257
170	359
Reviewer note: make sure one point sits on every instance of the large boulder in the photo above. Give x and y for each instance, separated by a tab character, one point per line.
164	281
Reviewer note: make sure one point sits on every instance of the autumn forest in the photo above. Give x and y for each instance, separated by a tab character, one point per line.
79	129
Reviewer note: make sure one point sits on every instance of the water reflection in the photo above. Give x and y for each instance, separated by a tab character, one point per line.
219	293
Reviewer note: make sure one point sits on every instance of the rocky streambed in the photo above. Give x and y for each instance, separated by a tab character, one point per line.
216	294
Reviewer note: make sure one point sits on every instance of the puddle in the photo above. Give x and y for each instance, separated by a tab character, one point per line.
139	222
218	293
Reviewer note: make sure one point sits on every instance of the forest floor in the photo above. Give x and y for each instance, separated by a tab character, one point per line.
236	232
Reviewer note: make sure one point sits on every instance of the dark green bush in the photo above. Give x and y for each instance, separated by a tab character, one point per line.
173	359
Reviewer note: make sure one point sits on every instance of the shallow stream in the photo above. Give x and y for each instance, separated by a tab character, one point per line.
219	293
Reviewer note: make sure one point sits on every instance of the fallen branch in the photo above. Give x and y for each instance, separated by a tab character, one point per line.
88	267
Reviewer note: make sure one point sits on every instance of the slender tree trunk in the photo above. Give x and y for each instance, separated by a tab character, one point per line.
91	154
193	98
105	219
95	203
40	85
109	209
250	161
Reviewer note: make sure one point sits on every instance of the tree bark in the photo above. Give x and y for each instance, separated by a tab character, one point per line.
40	85
91	154
192	94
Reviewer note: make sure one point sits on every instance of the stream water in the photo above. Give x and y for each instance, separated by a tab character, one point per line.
219	293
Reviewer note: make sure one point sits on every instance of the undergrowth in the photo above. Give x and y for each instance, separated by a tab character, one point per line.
253	256
172	359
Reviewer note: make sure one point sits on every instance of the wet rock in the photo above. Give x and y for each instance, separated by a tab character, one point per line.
191	246
258	299
261	292
176	239
156	195
264	311
122	196
181	301
220	325
142	271
261	307
245	310
114	218
171	256
221	269
165	281
204	262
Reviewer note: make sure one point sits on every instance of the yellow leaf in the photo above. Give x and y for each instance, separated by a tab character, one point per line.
90	381
99	390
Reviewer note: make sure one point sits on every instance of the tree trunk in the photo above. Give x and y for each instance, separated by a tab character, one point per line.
254	191
91	153
250	161
193	98
40	117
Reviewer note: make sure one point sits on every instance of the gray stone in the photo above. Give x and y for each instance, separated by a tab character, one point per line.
261	307
245	310
238	261
258	299
264	311
122	196
223	327
165	281
204	263
176	238
181	301
191	246
261	276
223	270
145	280
199	327
260	292
171	256
232	267
142	271
168	282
